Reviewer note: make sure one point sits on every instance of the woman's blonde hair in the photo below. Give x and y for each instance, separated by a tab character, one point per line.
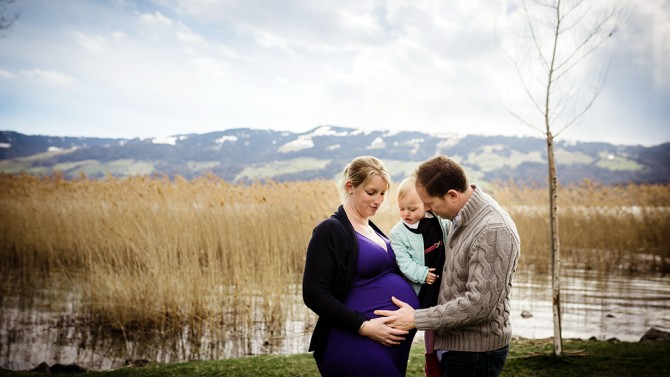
359	171
406	186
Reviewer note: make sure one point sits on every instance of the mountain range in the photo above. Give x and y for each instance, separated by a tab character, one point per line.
245	155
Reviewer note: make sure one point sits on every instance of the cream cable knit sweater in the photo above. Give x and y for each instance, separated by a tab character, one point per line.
473	306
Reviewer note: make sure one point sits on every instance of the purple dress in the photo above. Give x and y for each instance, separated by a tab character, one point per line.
377	278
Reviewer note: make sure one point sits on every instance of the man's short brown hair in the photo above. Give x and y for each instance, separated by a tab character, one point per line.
439	175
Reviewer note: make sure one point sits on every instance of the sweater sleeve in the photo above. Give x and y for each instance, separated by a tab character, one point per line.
489	270
322	279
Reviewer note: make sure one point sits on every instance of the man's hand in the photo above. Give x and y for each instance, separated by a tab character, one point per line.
379	330
404	316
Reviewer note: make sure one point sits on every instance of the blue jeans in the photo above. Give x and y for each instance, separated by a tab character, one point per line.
474	364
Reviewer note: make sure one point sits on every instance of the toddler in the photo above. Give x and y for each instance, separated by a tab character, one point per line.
418	242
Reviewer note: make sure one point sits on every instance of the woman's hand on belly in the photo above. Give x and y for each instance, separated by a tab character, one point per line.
378	330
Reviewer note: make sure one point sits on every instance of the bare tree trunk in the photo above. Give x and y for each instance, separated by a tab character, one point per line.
553	196
581	27
555	247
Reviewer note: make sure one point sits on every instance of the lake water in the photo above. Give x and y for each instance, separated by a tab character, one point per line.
47	327
593	305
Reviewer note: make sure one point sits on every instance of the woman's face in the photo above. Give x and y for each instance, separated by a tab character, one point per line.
368	197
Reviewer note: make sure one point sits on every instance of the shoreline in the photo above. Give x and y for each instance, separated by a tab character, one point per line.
521	348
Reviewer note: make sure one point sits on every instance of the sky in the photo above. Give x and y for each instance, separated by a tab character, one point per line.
156	68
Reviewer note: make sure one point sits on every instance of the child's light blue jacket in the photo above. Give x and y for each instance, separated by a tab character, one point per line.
408	249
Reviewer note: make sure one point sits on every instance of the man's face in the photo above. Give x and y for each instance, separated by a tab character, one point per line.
445	206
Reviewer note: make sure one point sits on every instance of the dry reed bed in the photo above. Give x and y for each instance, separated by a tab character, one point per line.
153	253
608	228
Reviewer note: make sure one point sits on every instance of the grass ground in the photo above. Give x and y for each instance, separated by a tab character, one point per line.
527	358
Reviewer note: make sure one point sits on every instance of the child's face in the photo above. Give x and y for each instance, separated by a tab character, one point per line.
411	207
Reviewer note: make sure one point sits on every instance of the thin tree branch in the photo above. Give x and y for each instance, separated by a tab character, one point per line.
534	37
527	90
596	93
524	121
7	21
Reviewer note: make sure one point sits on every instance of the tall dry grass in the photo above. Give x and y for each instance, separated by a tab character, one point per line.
624	227
153	253
150	253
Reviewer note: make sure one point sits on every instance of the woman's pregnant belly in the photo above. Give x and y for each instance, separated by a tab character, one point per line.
369	295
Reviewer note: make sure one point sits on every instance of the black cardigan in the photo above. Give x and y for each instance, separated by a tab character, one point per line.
330	265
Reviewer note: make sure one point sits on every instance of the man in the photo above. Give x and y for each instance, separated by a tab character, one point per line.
471	319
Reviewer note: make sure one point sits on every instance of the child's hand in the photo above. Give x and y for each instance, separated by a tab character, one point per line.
431	277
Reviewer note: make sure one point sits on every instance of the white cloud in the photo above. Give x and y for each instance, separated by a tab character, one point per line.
186	35
6	74
655	14
370	64
45	76
118	35
156	18
92	43
357	20
210	67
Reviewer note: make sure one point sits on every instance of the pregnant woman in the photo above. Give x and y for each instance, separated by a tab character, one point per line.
350	271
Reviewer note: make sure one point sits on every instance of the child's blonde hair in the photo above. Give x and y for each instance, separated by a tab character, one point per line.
406	186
